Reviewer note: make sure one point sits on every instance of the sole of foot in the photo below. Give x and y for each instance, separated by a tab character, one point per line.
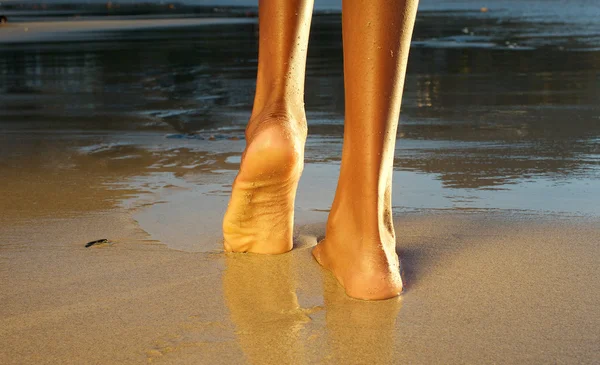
260	214
372	274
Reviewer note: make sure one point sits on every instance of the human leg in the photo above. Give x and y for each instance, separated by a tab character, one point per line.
260	214
359	247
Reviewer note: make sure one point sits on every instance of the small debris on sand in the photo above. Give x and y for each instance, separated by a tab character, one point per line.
97	242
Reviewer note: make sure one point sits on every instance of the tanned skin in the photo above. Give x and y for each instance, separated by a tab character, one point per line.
359	245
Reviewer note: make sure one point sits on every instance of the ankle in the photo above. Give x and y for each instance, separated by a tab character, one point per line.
364	229
280	106
290	116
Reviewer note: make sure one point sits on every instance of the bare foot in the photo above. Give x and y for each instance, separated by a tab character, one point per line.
260	214
366	271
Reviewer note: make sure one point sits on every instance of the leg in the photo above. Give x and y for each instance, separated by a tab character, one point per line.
360	243
260	214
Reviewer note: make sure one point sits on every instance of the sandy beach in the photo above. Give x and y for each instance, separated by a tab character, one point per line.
482	287
137	136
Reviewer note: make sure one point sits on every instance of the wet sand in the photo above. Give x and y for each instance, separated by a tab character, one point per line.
136	138
482	287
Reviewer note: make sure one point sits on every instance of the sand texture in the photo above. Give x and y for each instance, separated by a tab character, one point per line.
481	288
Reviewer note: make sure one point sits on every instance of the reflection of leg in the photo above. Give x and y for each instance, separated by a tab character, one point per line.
360	242
260	294
261	210
374	343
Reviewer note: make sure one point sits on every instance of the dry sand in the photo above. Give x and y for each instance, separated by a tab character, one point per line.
482	287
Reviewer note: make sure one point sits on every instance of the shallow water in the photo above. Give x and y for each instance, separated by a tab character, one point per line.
482	127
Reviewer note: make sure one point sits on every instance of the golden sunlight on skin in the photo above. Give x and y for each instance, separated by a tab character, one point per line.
359	248
360	242
260	215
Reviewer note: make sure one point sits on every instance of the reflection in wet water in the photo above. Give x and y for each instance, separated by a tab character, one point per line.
131	83
360	332
260	293
62	174
273	327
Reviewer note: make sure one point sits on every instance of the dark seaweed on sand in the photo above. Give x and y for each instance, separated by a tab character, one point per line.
96	242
